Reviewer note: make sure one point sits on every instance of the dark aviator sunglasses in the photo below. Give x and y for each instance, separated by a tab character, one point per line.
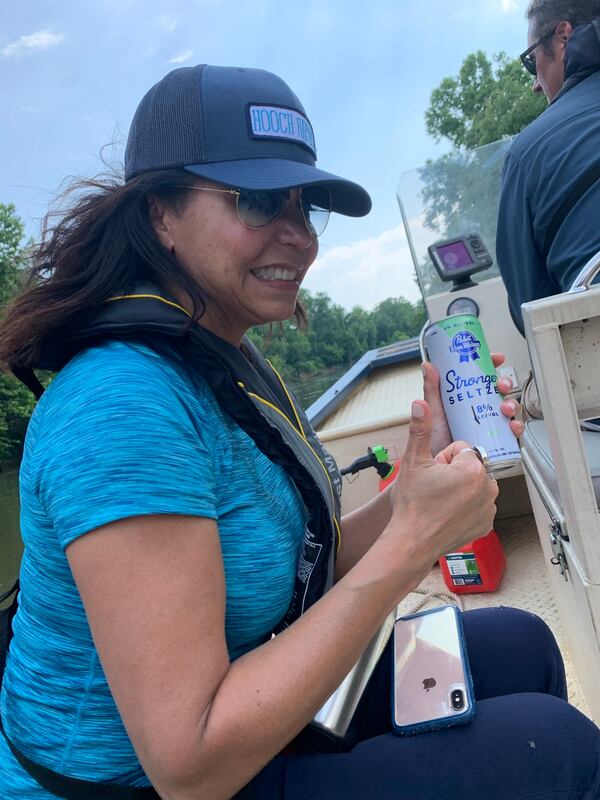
257	208
527	57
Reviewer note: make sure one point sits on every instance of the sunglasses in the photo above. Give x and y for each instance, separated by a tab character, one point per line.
527	59
257	208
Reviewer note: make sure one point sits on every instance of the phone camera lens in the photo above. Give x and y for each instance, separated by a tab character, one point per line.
457	699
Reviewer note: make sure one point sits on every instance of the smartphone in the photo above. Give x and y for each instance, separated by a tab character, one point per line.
432	686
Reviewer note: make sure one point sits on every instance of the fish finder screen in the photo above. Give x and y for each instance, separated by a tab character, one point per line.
454	256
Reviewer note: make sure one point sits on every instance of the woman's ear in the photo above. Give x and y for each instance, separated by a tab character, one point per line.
160	219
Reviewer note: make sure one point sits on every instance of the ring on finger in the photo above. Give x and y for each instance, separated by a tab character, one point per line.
472	450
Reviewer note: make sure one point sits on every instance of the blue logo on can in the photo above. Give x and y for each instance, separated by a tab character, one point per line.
466	345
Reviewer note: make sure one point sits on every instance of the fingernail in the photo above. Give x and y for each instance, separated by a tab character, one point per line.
513	407
423	370
417	410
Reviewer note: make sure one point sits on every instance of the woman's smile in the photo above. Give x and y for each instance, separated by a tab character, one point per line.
279	275
247	276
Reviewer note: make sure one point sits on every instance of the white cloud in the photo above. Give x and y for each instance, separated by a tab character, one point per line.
40	40
182	57
366	272
168	22
508	5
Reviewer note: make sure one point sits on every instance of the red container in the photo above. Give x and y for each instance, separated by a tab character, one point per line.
476	567
385	482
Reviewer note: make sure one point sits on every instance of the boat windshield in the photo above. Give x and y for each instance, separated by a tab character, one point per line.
453	195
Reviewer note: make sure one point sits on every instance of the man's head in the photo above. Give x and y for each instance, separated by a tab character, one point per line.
551	23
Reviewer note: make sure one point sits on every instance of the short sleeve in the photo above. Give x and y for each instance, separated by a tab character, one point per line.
118	439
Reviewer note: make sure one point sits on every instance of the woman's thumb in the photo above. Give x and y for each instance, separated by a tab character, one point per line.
418	449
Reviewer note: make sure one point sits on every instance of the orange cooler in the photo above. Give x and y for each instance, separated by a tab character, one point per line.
476	567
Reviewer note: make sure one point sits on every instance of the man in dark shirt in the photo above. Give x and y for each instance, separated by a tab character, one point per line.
549	217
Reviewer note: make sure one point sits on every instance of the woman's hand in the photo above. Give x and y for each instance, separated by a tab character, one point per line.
439	503
440	437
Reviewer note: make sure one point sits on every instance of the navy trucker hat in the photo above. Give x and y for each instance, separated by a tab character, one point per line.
244	128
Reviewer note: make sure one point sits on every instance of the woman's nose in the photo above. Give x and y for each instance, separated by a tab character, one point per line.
293	228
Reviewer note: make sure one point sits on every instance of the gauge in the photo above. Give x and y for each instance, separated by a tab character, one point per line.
462	305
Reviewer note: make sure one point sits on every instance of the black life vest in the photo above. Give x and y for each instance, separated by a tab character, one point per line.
250	391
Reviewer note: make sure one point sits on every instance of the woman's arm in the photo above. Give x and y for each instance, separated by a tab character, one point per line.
360	530
153	590
154	593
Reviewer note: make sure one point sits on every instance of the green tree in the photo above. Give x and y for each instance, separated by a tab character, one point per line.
485	102
11	251
361	334
311	360
489	101
16	402
327	329
16	405
394	320
512	105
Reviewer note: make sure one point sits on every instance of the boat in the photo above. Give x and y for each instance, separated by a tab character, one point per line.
548	519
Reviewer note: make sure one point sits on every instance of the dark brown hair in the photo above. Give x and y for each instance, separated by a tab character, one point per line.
104	243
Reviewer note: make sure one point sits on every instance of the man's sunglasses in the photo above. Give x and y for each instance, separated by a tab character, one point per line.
257	208
527	59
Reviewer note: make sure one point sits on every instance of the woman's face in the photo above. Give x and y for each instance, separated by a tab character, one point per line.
247	276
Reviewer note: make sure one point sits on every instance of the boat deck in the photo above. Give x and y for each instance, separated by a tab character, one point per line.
524	585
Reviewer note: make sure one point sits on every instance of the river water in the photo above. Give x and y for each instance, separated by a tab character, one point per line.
10	540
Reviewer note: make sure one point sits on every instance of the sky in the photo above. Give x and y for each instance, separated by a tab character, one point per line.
73	72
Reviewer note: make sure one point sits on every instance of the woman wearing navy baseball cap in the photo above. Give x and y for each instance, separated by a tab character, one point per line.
190	593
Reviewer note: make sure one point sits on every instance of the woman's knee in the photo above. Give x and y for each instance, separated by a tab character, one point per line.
518	746
510	651
546	735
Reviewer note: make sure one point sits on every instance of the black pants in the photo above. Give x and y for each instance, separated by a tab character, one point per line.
525	742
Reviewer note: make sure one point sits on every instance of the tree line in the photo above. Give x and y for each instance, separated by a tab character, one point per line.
335	337
16	401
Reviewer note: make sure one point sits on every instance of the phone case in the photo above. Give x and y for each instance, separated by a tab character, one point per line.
432	686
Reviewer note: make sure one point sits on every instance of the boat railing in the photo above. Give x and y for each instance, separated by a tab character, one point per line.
562	462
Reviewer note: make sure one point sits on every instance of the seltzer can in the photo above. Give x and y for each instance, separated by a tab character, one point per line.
457	346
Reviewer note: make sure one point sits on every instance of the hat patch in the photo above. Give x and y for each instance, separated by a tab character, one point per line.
275	122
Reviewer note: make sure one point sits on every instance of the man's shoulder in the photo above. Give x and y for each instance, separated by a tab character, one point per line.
548	128
561	120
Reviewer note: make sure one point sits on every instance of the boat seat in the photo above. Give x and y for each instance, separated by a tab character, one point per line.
535	440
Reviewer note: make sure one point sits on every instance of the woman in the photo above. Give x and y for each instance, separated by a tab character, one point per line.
177	509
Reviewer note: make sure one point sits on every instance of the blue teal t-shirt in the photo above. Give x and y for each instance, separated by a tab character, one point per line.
122	431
